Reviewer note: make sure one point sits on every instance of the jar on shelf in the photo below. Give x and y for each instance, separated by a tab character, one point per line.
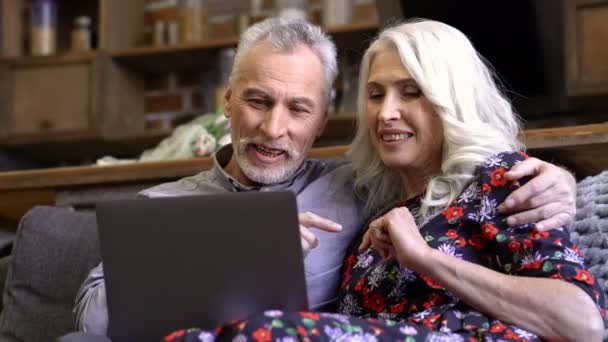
194	17
43	27
294	9
81	34
337	12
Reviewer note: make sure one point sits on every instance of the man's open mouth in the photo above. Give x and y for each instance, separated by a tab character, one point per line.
267	151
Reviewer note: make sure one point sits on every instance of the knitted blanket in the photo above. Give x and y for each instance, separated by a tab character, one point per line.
589	231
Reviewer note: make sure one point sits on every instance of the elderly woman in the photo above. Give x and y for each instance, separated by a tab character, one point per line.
438	262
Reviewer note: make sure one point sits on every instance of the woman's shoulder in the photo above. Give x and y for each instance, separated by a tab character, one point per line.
505	160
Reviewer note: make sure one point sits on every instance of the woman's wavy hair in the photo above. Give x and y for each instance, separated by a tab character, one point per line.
478	120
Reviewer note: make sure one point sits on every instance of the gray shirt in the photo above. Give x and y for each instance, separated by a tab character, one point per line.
322	187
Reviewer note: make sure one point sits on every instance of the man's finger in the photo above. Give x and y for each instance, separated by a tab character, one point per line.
559	220
528	167
535	215
517	200
308	237
311	220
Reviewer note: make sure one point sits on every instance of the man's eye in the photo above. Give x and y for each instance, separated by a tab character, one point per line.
299	110
374	95
257	103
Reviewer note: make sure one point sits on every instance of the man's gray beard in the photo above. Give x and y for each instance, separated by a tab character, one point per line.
269	175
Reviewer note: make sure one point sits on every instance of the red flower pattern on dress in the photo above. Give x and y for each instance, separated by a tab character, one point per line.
310	315
462	242
497	177
359	284
453	213
489	231
498	328
536	252
514	246
536	235
302	331
430	282
262	335
509	334
375	302
451	234
477	242
175	334
398	308
536	264
584	276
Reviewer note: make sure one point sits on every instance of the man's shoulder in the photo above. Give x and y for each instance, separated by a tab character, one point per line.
202	183
331	164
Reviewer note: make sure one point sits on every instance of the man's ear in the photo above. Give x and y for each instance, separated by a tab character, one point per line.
323	124
227	96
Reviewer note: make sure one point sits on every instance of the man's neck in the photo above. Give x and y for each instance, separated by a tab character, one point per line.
234	170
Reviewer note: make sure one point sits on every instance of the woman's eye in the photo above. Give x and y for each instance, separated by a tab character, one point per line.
411	91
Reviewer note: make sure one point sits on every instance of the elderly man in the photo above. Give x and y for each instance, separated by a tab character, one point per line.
277	103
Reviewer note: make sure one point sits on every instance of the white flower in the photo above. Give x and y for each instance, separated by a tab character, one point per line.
273	313
531	258
441	337
487	210
408	330
572	256
365	259
470	194
239	338
523	333
377	275
494	160
287	339
387	315
422	314
348	305
206	337
449	249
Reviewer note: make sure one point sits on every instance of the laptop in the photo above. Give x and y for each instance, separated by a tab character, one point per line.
199	261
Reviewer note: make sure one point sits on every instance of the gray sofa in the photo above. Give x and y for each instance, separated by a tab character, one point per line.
56	247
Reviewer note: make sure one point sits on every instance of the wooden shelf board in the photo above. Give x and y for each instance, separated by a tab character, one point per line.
72	57
188	56
62	177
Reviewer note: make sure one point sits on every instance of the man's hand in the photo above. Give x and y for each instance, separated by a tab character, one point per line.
548	200
309	220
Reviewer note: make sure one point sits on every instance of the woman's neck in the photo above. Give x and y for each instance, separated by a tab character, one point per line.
415	181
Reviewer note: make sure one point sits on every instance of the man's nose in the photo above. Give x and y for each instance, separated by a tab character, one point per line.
274	125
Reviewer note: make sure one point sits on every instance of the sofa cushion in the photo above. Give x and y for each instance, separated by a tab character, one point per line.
590	228
54	250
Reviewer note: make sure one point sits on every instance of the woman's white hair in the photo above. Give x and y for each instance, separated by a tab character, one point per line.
284	34
478	121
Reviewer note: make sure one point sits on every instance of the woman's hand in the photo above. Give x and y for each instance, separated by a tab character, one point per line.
396	234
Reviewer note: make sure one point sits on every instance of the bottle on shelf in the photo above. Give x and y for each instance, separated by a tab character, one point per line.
81	34
194	18
43	27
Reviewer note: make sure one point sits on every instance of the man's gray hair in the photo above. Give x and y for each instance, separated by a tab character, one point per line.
284	35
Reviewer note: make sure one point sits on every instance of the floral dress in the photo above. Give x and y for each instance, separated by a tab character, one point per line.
381	301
